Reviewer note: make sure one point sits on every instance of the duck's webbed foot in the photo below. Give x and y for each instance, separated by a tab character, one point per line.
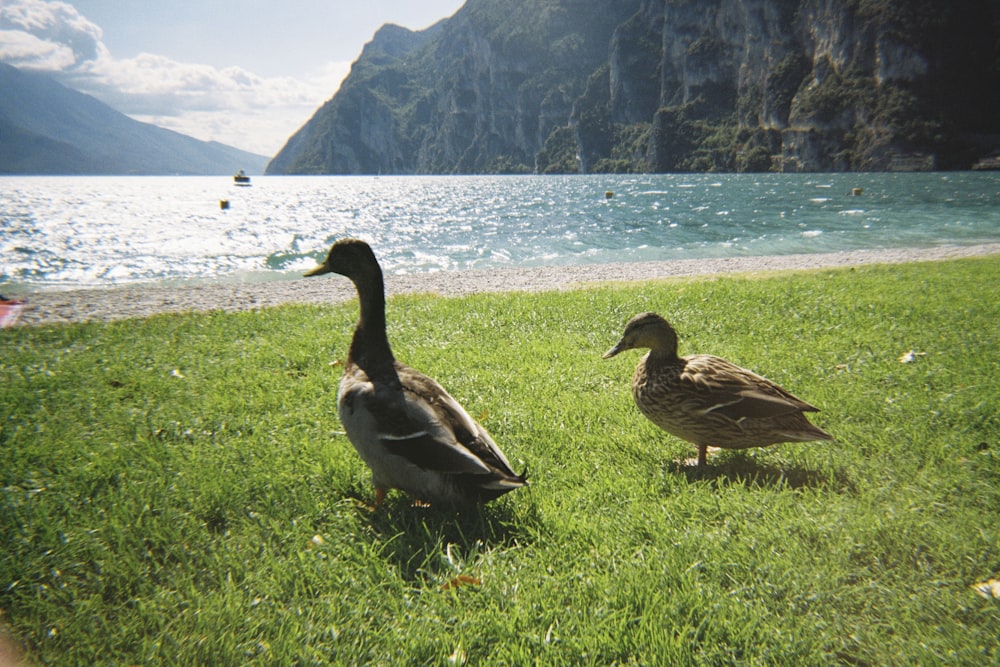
379	498
703	452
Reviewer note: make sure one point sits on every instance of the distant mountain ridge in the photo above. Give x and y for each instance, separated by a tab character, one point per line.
571	86
47	128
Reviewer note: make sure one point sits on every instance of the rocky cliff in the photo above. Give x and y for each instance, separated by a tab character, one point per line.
567	86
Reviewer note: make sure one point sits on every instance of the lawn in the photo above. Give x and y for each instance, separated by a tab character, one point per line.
177	490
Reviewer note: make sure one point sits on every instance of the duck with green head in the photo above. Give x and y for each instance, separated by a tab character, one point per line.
707	400
410	432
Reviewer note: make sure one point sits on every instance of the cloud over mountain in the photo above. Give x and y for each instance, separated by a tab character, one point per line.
230	105
47	35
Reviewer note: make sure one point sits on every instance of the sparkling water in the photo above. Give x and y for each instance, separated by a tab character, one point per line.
66	232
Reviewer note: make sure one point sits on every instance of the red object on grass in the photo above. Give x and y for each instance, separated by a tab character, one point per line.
10	310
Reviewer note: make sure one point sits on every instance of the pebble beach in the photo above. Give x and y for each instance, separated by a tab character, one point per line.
116	303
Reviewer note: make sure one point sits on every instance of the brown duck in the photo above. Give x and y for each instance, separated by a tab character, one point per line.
410	431
707	400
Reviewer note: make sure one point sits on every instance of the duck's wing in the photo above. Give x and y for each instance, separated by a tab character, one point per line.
717	386
447	437
414	418
383	417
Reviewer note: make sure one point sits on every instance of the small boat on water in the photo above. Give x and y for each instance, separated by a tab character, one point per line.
241	178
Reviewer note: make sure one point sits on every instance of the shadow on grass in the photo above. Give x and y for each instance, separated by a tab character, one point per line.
740	468
431	542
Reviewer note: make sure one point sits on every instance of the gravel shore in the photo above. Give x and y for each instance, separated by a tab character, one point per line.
140	301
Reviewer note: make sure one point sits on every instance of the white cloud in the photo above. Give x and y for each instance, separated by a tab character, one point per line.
52	25
24	50
230	105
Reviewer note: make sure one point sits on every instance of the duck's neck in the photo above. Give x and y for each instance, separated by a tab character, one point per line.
663	347
370	346
662	357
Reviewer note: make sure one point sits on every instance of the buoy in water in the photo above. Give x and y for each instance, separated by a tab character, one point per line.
609	194
223	204
856	192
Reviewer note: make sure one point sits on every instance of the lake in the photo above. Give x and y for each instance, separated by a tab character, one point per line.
70	232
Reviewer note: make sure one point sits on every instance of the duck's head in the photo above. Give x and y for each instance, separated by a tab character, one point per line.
348	257
647	330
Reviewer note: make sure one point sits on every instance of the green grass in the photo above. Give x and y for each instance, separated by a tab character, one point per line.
177	490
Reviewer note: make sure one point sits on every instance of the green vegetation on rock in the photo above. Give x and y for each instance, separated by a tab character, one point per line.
708	86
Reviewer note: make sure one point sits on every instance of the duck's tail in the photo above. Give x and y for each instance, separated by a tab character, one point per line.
496	485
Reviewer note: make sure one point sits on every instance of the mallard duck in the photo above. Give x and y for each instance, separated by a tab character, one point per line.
707	400
412	434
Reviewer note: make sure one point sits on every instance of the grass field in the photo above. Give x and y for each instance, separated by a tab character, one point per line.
177	490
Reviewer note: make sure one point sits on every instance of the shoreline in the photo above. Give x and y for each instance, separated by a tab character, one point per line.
127	302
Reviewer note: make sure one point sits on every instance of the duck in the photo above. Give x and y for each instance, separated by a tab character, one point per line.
707	400
409	431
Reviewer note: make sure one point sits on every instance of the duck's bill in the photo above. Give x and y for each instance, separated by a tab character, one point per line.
318	271
613	351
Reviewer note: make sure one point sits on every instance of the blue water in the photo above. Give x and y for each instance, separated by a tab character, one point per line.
67	232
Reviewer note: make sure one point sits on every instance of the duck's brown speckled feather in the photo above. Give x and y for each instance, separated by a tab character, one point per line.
707	400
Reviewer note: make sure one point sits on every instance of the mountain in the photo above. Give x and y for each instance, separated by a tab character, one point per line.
47	128
570	86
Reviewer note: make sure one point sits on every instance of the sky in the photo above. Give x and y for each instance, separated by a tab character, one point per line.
247	73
